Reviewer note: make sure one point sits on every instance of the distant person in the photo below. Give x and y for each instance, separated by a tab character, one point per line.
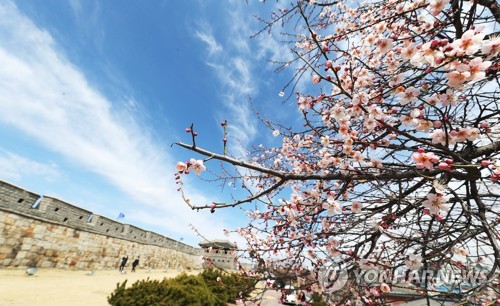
135	264
124	262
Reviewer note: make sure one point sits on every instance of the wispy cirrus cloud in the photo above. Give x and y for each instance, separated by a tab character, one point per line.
48	99
14	167
243	63
231	61
87	15
213	47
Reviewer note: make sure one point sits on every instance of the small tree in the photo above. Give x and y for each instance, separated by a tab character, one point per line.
395	165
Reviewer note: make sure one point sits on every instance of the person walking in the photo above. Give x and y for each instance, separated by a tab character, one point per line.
124	262
135	264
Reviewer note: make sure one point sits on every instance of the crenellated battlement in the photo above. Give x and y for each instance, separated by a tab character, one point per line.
52	217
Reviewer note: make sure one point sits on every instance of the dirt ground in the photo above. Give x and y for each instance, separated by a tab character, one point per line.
61	288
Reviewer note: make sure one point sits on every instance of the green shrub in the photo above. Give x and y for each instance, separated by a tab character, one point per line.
181	290
222	295
190	290
230	285
317	300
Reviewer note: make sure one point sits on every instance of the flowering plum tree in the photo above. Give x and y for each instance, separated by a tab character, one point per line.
396	165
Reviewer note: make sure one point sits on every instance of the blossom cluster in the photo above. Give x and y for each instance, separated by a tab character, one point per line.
195	165
398	133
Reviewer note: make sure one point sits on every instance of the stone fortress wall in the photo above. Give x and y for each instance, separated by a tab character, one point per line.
44	232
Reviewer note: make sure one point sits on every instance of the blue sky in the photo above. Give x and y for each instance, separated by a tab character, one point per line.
93	94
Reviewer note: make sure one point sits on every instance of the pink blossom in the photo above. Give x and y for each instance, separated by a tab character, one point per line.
343	129
426	160
437	124
414	262
358	157
181	167
384	45
432	100
376	225
332	207
461	135
360	98
476	67
415	113
408	52
424	125
409	95
473	134
385	288
430	54
491	47
303	103
469	43
457	79
370	123
376	163
436	203
337	112
325	141
408	120
437	6
448	98
356	206
197	166
396	80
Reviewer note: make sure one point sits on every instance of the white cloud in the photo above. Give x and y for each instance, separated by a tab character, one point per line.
212	45
87	15
76	7
14	167
239	68
233	69
46	97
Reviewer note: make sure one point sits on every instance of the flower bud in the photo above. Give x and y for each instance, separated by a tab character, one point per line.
445	166
485	163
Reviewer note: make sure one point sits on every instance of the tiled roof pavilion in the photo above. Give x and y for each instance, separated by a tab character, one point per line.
218	244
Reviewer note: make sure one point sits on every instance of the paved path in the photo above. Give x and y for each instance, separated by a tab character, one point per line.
271	297
52	287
